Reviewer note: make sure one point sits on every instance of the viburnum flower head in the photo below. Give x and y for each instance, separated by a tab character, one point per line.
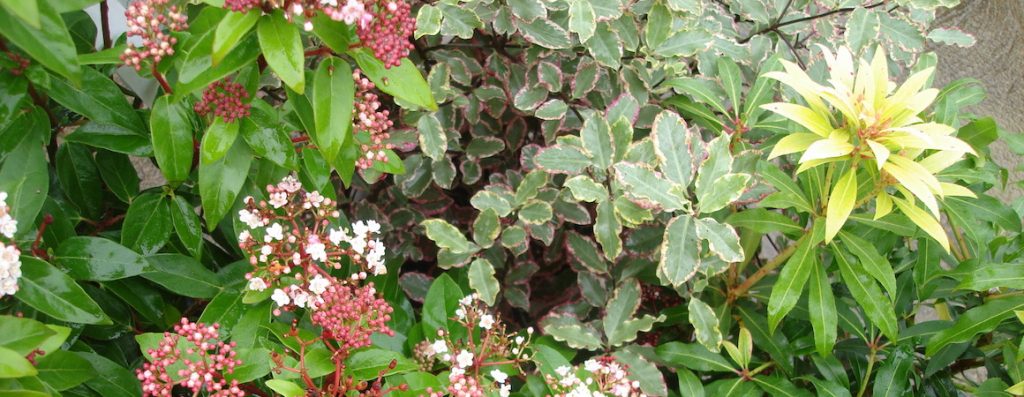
10	256
861	119
370	119
225	99
201	360
151	21
603	376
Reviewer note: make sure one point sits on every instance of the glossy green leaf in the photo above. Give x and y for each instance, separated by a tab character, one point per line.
481	279
286	388
332	98
230	31
112	380
14	365
147	225
872	262
893	377
221	180
791	281
680	251
99	99
980	319
404	81
822	307
99	259
80	179
705	324
721	238
282	49
63	370
440	304
693	356
187	226
172	138
24	177
763	221
50	43
447	236
217	140
643	183
182	275
49	290
118	174
877	307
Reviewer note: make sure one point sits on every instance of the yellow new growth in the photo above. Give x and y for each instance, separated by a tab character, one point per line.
858	116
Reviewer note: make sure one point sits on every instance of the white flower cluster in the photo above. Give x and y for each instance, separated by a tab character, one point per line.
603	377
294	294
363	245
10	256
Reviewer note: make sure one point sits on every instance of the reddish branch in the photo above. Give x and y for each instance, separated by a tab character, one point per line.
37	251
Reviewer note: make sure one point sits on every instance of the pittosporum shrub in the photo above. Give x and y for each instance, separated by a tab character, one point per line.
487	197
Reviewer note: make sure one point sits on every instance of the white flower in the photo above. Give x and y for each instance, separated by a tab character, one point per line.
591	366
8	226
278	199
318	284
520	339
10	269
280	297
337	236
464	359
289	184
308	26
373	226
466	301
375	258
300	297
313	199
461	313
250	218
257	284
3	199
358	244
266	250
563	370
504	390
529	330
244	236
439	346
486	321
274	232
455	373
499	376
317	251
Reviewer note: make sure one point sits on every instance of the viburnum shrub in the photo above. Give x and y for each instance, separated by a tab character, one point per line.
500	198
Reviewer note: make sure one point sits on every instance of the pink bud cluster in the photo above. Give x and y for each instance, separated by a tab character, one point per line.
152	21
370	118
599	376
10	256
241	5
225	99
351	314
388	33
20	63
199	363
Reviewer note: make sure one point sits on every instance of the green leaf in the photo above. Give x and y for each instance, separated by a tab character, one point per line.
187	225
861	28
761	220
230	31
875	264
484	199
368	363
99	259
699	90
535	212
642	182
63	370
673	144
543	32
333	94
893	376
693	356
785	184
684	43
486	227
977	320
440	304
172	138
433	141
447	236
217	140
585	251
791	281
49	290
584	188
659	25
112	380
50	44
286	388
530	186
987	276
726	189
570	330
481	279
597	141
605	45
14	365
220	182
428	21
987	208
404	81
680	251
113	138
528	10
562	159
225	309
99	99
24	335
118	174
689	384
80	179
268	138
840	203
459	21
732	80
582	19
877	307
952	36
607	229
822	307
197	70
183	276
25	178
147	225
483	147
705	324
651	381
722	239
28	11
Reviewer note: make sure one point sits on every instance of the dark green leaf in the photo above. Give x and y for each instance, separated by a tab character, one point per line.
220	182
99	259
977	320
877	307
147	225
172	138
693	356
50	44
183	275
333	93
63	370
118	174
282	48
80	179
50	291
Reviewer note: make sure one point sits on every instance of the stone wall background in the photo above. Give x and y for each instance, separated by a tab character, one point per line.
997	59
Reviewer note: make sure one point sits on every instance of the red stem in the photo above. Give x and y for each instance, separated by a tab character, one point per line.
105	23
160	78
300	139
36	250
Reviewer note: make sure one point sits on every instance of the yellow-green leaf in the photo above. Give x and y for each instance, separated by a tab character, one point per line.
840	203
924	221
803	115
825	149
793	143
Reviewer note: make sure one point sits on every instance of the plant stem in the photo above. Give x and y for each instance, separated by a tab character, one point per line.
782	256
867	374
105	23
160	78
778	23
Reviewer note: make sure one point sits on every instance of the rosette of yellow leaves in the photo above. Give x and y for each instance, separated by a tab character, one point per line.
865	126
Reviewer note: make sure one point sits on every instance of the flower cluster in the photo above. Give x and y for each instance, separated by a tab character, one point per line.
388	32
225	99
349	315
293	248
470	358
199	364
151	21
241	5
373	120
10	256
602	376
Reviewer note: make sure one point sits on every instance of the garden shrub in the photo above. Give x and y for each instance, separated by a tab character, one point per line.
485	197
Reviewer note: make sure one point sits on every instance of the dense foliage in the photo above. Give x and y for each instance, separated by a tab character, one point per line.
499	197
